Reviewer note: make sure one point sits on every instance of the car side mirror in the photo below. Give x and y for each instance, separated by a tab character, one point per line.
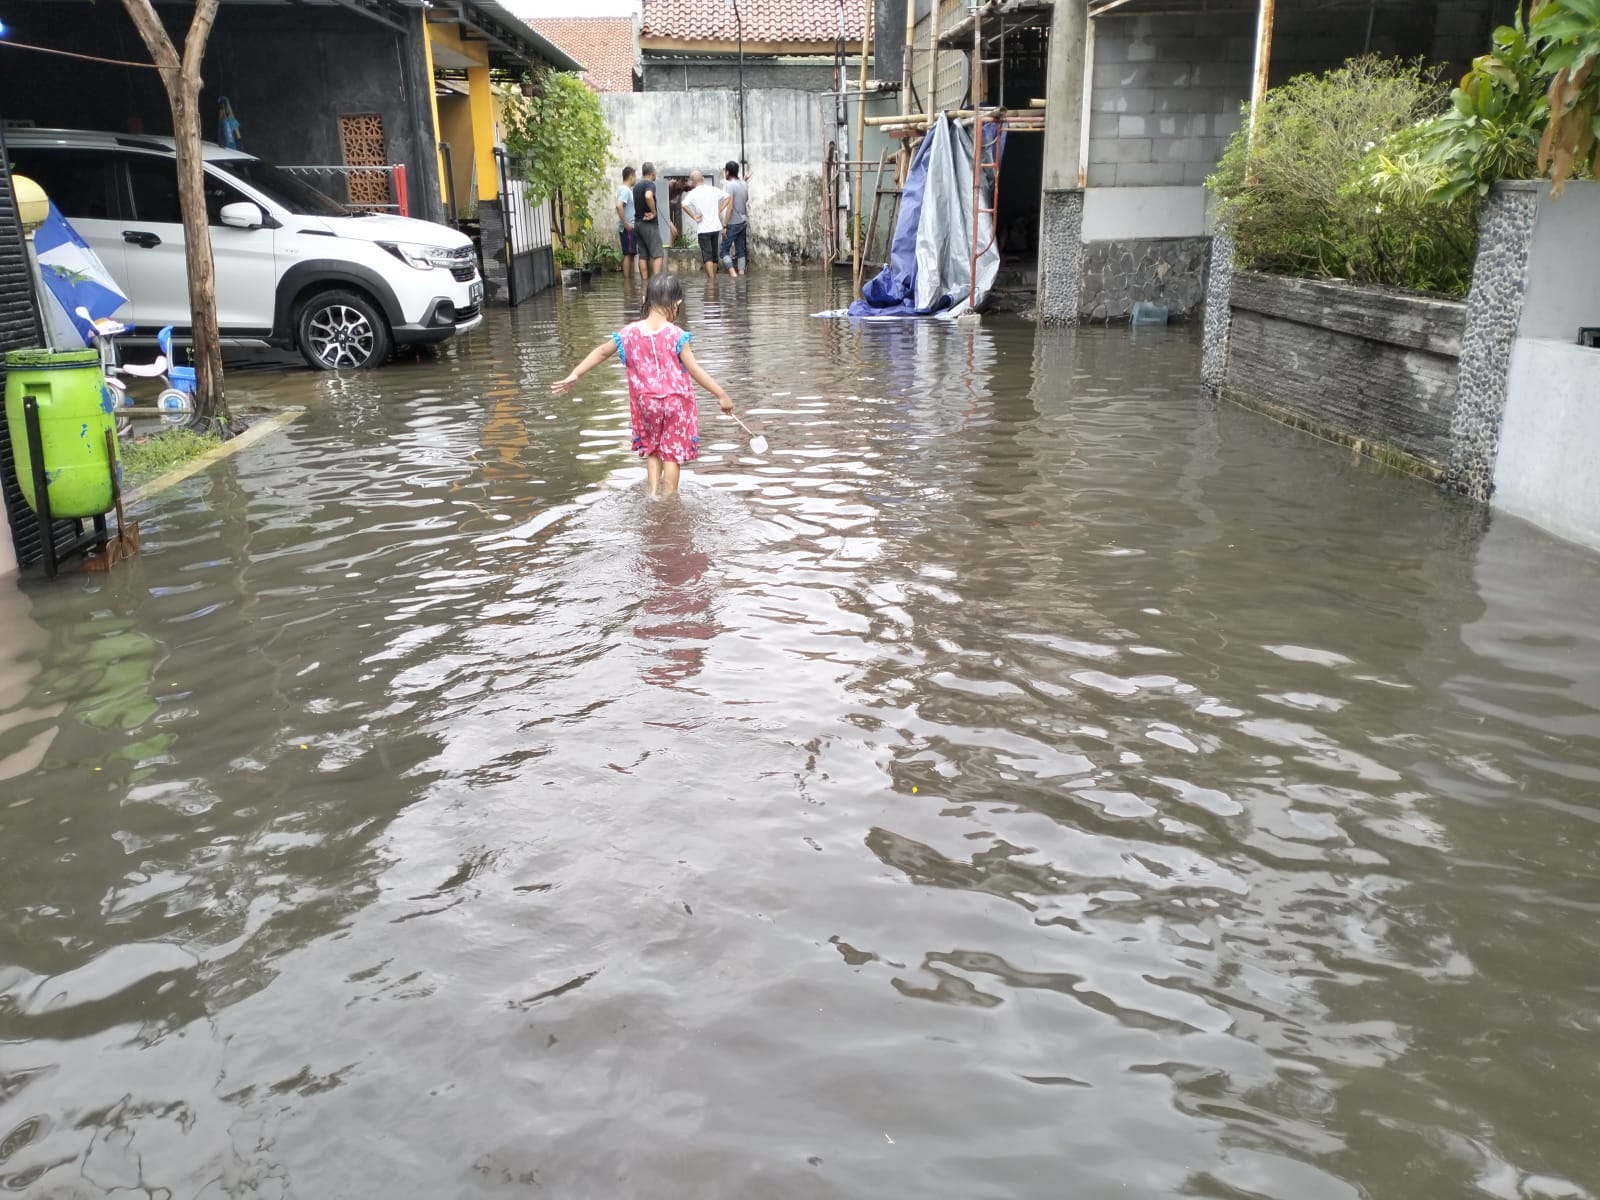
243	215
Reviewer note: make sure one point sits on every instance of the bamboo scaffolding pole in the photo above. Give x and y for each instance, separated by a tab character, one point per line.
958	114
861	142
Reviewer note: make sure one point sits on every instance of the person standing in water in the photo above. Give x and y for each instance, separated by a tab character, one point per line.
662	372
735	251
646	223
625	226
707	205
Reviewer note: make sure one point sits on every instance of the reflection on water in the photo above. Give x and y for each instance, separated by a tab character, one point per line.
1029	779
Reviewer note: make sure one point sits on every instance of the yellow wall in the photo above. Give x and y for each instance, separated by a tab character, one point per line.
473	136
455	127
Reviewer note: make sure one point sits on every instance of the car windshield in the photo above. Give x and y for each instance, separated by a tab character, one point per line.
282	188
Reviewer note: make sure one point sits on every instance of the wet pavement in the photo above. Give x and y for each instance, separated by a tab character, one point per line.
1030	779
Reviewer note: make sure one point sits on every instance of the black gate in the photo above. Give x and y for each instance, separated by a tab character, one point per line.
529	260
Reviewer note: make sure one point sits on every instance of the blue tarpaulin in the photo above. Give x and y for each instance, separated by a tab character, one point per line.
929	272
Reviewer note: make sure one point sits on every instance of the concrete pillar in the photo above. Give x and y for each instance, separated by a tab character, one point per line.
426	182
481	99
1061	205
1219	316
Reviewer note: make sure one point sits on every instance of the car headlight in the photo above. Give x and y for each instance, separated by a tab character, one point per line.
423	258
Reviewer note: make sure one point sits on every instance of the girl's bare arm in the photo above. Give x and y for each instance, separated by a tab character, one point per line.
698	374
596	356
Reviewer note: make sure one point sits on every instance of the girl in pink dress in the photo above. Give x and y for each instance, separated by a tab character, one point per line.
666	420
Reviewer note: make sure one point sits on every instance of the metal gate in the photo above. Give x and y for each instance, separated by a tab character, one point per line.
529	257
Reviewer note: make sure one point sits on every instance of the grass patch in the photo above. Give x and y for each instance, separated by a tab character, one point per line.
147	458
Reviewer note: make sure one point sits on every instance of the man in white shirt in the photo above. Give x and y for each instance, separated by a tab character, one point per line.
709	207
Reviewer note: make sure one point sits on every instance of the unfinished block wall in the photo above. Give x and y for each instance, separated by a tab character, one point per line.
1166	97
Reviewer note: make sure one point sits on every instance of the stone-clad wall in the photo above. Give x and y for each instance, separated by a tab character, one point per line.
1119	274
1494	310
1061	256
1355	364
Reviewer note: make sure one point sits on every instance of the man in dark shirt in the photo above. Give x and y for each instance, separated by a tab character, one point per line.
646	221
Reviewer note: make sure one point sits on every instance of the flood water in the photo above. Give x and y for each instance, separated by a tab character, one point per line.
1029	779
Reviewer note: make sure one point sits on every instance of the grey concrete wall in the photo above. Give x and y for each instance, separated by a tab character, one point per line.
1317	37
1550	439
1166	96
722	74
1354	364
785	132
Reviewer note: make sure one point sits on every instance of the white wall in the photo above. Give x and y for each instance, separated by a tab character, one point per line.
1564	265
1119	213
785	136
1546	471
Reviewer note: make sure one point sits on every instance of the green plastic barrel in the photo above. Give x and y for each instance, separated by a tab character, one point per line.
75	410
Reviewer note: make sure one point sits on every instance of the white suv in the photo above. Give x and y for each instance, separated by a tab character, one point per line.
295	269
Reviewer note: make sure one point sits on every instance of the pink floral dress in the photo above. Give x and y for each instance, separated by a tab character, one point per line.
666	419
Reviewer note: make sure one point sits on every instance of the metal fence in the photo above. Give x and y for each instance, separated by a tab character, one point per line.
357	188
528	249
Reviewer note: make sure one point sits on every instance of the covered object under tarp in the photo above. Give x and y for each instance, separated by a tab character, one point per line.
929	272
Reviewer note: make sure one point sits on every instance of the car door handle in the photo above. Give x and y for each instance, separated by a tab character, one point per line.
141	238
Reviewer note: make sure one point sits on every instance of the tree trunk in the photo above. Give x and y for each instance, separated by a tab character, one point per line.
182	81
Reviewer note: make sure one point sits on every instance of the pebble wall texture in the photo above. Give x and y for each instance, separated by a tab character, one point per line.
1060	257
1117	275
1494	310
1219	296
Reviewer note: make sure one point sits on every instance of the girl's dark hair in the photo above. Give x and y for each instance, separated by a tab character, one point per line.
663	292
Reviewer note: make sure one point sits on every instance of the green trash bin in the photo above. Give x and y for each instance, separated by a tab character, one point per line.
75	411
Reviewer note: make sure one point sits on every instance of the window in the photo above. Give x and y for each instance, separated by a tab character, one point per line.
77	180
219	195
155	189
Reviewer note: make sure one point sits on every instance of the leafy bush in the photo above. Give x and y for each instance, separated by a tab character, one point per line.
1492	128
1336	183
557	134
1529	108
1568	35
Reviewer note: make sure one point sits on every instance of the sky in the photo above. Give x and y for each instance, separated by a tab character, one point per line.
567	8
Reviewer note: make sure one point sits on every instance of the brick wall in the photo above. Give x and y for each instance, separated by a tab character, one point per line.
1166	96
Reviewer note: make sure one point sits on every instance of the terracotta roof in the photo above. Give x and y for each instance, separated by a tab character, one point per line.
604	45
773	21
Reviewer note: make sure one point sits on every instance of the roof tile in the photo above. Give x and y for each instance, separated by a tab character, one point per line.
763	20
604	45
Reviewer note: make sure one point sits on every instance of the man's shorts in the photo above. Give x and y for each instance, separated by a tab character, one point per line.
708	246
649	239
630	242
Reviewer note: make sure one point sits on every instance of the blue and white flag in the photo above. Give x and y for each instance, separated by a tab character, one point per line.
73	277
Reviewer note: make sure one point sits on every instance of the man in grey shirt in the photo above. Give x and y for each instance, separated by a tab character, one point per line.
735	251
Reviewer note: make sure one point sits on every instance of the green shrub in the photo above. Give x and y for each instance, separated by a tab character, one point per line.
1336	183
147	458
1530	108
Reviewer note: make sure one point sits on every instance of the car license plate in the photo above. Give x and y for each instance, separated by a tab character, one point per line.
475	294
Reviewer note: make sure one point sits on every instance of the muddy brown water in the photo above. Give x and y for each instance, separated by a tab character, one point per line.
1029	780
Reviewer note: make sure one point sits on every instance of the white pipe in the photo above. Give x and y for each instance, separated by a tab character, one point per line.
1088	102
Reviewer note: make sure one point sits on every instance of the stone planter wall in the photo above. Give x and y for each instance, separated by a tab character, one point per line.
1119	274
1361	366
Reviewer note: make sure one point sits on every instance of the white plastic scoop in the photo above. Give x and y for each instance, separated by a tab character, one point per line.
758	444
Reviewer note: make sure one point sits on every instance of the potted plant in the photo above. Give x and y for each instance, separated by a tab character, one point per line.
567	261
